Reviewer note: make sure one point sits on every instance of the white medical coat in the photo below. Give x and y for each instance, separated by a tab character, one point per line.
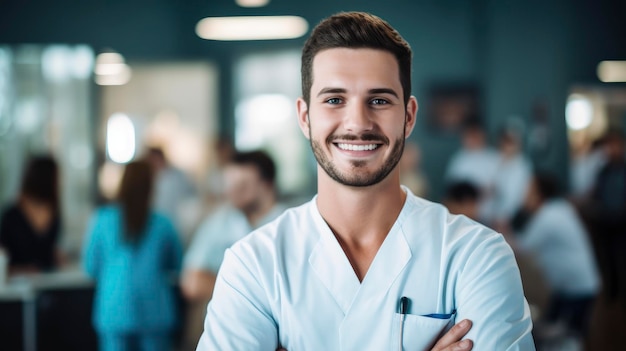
560	243
290	283
478	167
510	187
220	231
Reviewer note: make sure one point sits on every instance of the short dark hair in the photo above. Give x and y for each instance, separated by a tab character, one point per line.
260	160
40	180
462	191
547	185
155	151
613	135
472	124
356	30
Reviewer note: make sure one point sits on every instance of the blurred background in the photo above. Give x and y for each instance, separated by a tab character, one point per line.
96	83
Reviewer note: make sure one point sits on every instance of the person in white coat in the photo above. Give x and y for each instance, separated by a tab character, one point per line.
365	265
557	239
476	162
511	182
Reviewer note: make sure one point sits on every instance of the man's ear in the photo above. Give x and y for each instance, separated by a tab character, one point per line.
411	115
303	116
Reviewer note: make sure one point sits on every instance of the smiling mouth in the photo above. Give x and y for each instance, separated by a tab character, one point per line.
353	147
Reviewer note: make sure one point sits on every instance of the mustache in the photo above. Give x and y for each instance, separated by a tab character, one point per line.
363	137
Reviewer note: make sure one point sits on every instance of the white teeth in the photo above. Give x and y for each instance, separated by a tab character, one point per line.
352	147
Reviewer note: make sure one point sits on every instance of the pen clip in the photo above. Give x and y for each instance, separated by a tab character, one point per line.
404	305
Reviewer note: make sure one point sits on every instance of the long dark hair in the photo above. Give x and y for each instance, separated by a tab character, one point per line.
134	198
40	181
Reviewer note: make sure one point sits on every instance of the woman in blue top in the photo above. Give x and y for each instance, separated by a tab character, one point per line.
131	252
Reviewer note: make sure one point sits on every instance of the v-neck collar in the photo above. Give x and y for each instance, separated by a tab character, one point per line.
333	268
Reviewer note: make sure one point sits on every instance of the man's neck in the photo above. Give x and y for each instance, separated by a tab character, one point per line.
360	217
256	214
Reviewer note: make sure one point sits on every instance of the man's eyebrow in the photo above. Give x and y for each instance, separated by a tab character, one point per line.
331	91
384	91
371	91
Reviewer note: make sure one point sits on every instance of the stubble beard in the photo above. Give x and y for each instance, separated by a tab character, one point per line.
356	178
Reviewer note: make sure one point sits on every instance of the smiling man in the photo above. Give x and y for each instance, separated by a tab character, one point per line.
365	265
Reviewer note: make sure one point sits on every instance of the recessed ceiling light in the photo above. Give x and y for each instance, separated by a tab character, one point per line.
111	69
115	75
578	112
612	71
252	3
252	28
109	57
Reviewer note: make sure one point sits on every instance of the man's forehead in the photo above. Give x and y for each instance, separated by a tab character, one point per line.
241	168
362	62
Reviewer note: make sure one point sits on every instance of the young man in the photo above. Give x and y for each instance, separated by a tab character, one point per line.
365	265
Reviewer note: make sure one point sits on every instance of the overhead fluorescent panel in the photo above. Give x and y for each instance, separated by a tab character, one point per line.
252	28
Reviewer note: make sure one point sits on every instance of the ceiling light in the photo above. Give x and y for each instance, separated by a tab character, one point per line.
111	69
612	71
120	139
120	78
252	3
578	112
109	57
252	28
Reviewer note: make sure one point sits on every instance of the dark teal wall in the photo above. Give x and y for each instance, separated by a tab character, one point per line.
516	52
527	61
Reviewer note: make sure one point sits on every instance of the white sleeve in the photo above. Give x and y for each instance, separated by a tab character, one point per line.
203	252
452	172
513	192
490	294
238	315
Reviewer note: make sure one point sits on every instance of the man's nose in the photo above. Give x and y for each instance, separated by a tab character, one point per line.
358	118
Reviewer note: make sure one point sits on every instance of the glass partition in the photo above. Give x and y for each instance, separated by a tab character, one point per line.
47	106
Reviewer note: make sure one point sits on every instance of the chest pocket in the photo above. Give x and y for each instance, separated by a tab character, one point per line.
419	333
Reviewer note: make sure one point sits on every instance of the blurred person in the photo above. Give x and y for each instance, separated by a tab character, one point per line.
608	216
172	189
30	228
513	175
131	252
556	238
250	190
365	265
463	198
585	168
224	150
411	174
476	162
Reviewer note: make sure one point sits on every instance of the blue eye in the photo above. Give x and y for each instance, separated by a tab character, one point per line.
333	101
379	102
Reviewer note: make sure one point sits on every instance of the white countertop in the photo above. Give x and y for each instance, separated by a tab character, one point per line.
25	286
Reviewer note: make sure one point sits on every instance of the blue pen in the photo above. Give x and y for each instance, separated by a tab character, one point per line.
402	309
